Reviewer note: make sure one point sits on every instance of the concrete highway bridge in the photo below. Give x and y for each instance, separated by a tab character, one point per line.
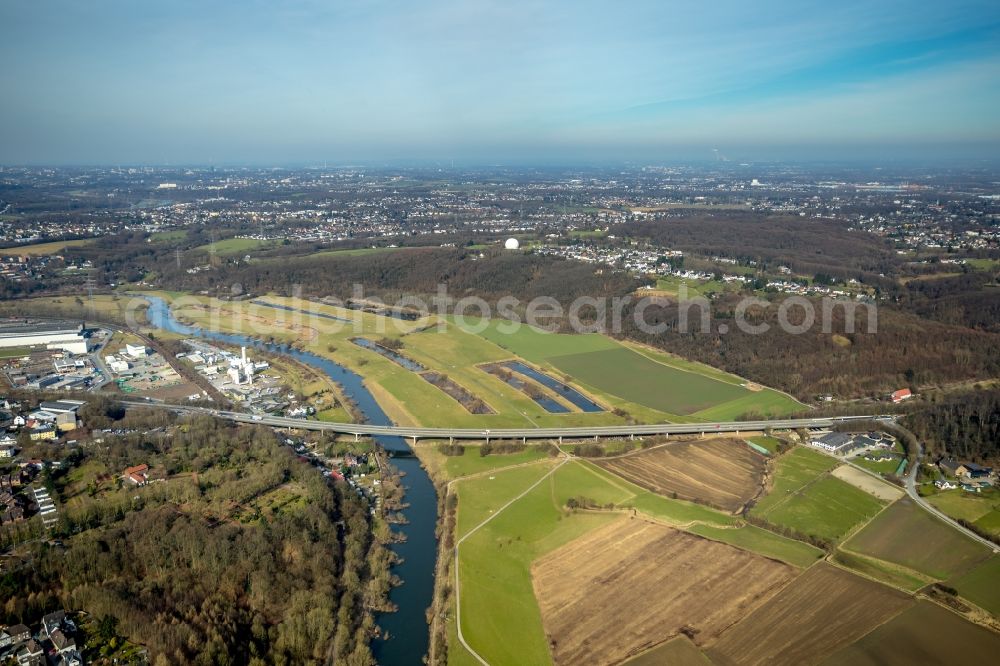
578	432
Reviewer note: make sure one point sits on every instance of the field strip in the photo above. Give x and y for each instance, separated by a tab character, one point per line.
497	469
863	524
892	566
613	481
646	350
784	500
643	351
458	581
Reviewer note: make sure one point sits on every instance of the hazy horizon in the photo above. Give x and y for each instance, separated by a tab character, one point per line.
484	81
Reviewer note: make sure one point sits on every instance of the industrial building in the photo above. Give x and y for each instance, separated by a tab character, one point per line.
67	336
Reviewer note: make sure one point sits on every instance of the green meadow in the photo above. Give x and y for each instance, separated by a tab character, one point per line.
907	535
639	375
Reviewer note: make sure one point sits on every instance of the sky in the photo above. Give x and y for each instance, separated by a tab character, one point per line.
495	81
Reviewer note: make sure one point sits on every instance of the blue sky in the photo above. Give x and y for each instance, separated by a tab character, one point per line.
277	82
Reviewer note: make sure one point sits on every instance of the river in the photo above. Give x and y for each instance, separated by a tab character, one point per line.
407	627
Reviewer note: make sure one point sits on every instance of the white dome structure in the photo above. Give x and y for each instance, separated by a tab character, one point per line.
511	244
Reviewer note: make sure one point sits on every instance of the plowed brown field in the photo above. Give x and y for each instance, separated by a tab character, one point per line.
722	472
625	587
823	610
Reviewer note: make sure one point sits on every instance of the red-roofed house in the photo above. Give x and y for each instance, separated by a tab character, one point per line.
901	395
137	474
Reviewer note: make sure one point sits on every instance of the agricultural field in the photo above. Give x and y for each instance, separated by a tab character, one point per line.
235	245
640	375
772	444
820	612
499	615
497	597
762	542
981	509
655	580
791	472
725	473
868	483
113	307
886	572
406	397
980	585
40	249
677	652
471	462
907	535
827	508
168	236
905	639
354	252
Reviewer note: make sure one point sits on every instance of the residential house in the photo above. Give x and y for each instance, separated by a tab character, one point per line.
137	475
14	634
52	622
61	642
30	654
47	432
901	395
949	466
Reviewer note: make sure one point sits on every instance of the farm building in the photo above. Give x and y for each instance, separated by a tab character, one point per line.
836	442
973	471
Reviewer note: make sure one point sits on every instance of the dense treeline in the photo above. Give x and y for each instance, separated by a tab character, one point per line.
963	425
972	300
807	246
188	570
905	351
417	271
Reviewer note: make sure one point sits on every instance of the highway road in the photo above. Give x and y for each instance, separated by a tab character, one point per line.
580	432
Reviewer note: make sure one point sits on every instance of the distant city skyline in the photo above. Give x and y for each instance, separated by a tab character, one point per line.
485	81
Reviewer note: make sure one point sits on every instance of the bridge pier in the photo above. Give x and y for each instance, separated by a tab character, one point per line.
451	440
524	440
357	437
560	439
631	436
414	440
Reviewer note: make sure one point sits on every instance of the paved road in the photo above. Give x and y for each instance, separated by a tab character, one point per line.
359	429
911	490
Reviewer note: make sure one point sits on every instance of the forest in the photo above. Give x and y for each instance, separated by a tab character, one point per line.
803	245
906	350
190	567
417	271
963	425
